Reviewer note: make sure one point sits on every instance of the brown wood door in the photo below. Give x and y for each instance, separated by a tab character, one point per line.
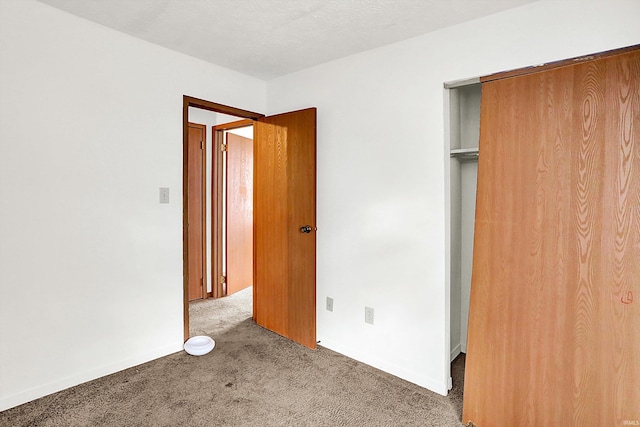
284	201
239	213
196	210
554	323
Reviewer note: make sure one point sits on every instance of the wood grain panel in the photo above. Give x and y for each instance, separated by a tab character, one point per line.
301	184
217	207
553	333
196	211
556	64
284	200
618	340
239	213
270	292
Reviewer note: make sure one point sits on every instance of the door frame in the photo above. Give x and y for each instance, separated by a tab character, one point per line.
189	101
217	207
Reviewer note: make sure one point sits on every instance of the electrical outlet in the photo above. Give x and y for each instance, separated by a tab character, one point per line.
329	304
368	315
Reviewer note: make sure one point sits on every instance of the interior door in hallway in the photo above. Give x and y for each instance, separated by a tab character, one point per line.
284	225
196	210
554	321
239	213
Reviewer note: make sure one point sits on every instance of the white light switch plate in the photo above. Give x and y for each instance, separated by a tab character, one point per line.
164	195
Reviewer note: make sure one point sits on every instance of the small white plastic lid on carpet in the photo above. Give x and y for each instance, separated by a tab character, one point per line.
197	346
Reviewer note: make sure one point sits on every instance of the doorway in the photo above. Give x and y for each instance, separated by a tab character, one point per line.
211	114
284	219
233	201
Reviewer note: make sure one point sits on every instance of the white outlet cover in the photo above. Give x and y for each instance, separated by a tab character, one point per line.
369	315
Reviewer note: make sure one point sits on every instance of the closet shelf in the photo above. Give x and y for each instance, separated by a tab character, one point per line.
464	154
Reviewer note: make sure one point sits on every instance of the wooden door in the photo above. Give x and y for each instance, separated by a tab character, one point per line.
196	241
554	330
239	213
284	202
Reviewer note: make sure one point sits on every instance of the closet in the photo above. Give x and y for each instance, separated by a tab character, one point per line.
464	133
554	320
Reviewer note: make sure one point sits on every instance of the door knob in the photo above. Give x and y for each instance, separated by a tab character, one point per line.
305	229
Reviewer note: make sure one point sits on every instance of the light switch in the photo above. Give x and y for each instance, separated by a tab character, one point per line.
164	195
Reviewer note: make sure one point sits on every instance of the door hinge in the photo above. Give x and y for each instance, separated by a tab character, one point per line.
202	145
202	282
223	280
223	147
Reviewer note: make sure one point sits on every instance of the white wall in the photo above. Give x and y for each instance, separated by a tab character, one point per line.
90	262
382	165
246	132
468	184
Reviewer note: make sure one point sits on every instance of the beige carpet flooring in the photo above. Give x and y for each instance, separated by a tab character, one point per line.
252	378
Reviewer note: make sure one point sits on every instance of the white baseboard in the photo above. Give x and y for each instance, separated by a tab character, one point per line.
389	367
7	402
455	352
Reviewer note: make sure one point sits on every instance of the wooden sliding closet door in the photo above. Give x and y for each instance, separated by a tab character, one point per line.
554	324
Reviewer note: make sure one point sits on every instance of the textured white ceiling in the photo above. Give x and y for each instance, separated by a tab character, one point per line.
270	38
